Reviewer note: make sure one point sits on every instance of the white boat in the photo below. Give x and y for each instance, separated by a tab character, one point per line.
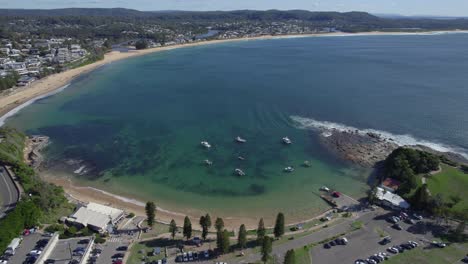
239	172
205	144
286	140
289	169
325	189
240	140
208	162
241	158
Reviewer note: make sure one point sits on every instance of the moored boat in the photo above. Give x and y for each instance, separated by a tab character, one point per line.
240	140
289	169
239	172
286	140
205	144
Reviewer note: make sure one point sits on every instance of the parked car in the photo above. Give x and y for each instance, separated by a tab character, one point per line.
326	245
206	254
386	240
439	244
122	248
332	243
360	261
410	221
35	252
392	250
397	227
417	217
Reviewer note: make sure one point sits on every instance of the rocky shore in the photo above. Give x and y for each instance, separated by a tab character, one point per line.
33	147
367	149
362	149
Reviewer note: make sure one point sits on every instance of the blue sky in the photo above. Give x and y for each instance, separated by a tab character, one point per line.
404	7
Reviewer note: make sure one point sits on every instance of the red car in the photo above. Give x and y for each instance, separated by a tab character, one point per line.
336	194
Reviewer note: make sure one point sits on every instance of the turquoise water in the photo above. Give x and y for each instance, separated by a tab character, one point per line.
138	123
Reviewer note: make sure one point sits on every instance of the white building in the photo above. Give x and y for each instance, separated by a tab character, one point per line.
390	199
96	216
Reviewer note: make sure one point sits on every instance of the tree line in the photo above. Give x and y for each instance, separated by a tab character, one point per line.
223	241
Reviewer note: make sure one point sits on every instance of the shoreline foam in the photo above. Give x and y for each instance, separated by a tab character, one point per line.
399	139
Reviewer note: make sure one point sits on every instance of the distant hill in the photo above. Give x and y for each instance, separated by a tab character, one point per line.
200	15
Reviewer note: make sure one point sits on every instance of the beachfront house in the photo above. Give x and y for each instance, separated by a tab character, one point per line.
97	217
389	199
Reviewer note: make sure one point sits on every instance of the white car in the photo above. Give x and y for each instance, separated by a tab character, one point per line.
392	250
35	252
3	262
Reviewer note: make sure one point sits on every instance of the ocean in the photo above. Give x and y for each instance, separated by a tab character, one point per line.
135	126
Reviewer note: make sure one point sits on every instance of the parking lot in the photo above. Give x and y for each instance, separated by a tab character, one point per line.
109	249
28	244
65	250
365	241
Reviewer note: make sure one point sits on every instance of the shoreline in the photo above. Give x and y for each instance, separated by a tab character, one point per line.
11	103
22	97
77	193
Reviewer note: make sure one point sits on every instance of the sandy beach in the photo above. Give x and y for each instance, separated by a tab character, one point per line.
52	83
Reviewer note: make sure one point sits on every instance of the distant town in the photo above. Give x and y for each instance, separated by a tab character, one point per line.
35	44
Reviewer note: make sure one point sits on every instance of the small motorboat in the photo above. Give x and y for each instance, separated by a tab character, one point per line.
306	164
205	144
208	162
240	140
286	141
239	172
325	189
289	169
241	158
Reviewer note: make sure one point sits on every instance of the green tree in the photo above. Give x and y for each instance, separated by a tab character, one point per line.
204	227
242	237
290	257
208	221
187	228
279	225
141	44
261	232
150	210
266	248
421	197
225	243
173	228
219	224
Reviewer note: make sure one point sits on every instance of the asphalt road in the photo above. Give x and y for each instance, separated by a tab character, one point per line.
8	192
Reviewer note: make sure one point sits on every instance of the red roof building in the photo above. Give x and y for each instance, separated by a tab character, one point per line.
391	184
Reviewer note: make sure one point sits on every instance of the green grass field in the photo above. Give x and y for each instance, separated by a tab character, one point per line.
451	254
303	255
450	181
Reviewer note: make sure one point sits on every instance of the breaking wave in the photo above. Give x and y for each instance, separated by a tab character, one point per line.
15	110
326	128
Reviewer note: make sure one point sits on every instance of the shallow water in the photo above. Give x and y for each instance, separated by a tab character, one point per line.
140	121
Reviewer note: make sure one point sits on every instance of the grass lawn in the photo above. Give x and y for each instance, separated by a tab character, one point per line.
144	249
451	254
450	181
303	255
